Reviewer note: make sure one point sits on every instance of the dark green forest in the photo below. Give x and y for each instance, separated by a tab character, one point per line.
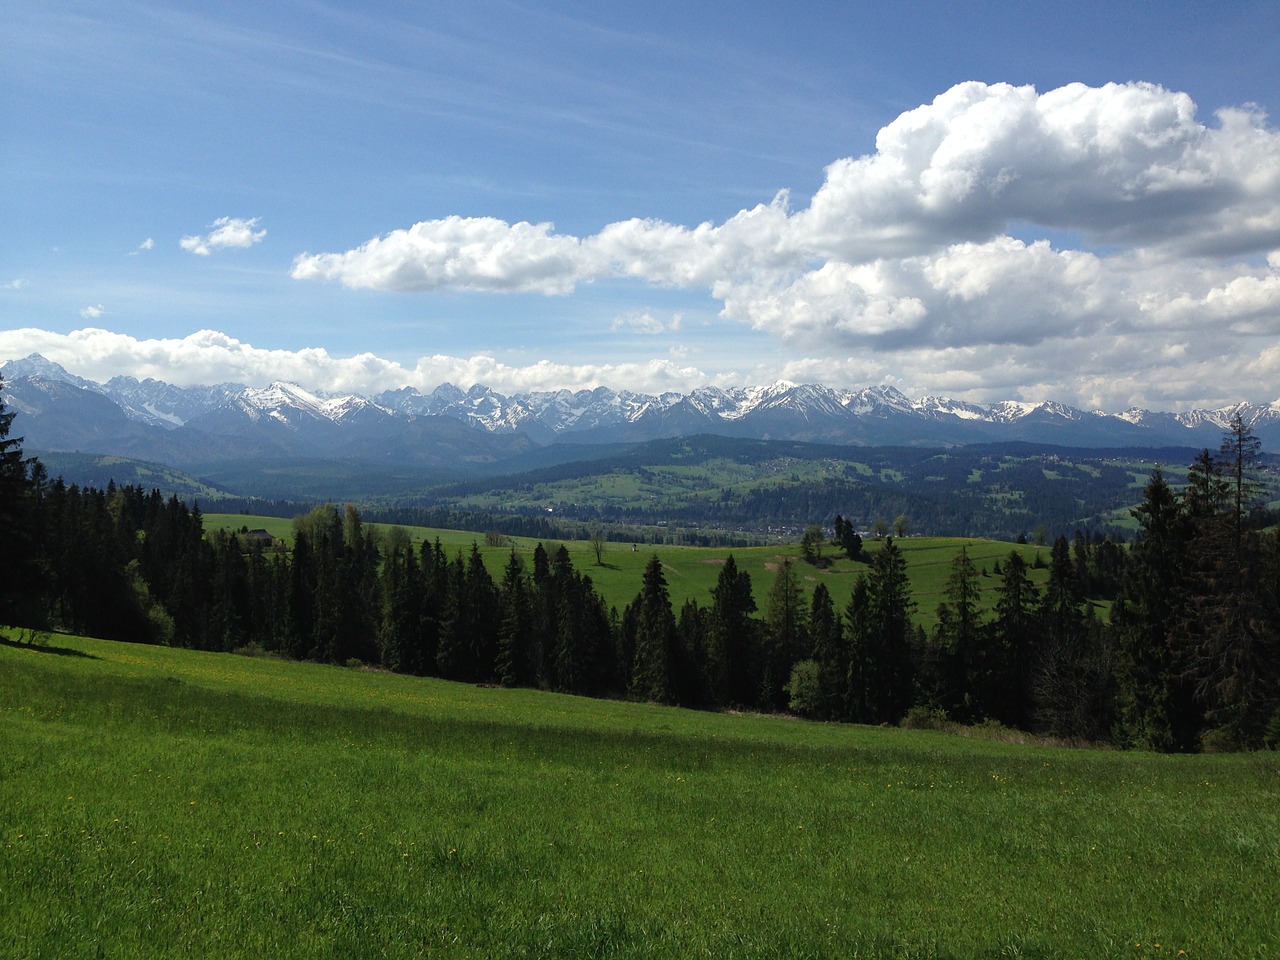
714	483
1188	659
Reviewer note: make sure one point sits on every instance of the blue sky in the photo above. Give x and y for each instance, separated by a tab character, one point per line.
987	201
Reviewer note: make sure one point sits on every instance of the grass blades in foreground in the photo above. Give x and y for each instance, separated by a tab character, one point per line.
158	802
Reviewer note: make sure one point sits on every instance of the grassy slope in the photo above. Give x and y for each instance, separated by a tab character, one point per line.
692	572
158	802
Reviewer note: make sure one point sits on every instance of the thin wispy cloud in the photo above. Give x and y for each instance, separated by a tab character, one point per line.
644	322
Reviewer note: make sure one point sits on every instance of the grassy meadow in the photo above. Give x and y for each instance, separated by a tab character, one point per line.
157	802
692	572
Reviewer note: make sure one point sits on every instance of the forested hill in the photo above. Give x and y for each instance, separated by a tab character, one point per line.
1190	656
996	490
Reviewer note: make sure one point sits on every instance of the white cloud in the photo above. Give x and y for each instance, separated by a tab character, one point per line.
1084	370
16	284
1101	246
227	232
460	253
209	357
149	244
93	312
910	245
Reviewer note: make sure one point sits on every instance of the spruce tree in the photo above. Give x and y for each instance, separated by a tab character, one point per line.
889	630
731	648
1074	673
829	653
515	633
957	663
786	635
862	673
1228	628
1153	699
21	587
655	639
1011	652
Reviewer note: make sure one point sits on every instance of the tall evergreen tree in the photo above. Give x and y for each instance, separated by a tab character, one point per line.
863	669
356	562
1155	709
652	677
1226	629
890	627
400	623
1011	652
956	667
1238	458
482	617
786	635
1073	674
515	632
829	652
691	650
731	648
20	586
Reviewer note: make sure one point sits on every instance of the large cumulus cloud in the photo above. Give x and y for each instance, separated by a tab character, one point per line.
915	242
462	253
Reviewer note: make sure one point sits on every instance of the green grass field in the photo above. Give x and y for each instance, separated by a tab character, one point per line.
692	572
165	803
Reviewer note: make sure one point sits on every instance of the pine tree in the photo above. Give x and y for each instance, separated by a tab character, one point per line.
453	653
1154	703
786	635
437	602
1227	629
731	638
878	620
1011	652
960	675
829	653
1072	689
691	661
482	618
515	633
400	624
1239	456
847	538
655	639
21	586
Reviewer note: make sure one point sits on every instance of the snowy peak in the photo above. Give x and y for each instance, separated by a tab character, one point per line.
870	415
37	367
1009	411
154	401
289	403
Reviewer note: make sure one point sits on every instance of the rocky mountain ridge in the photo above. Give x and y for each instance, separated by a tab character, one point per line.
66	412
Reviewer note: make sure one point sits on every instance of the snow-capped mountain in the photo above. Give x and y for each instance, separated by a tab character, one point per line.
287	419
153	401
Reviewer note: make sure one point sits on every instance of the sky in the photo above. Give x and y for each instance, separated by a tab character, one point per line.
985	201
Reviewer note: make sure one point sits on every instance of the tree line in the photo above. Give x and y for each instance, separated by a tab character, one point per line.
1190	655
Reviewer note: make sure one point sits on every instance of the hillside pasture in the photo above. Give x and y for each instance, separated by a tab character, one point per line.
157	802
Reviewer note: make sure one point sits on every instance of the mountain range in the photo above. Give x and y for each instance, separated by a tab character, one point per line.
457	431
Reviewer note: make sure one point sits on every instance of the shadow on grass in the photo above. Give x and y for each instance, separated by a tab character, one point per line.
38	647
